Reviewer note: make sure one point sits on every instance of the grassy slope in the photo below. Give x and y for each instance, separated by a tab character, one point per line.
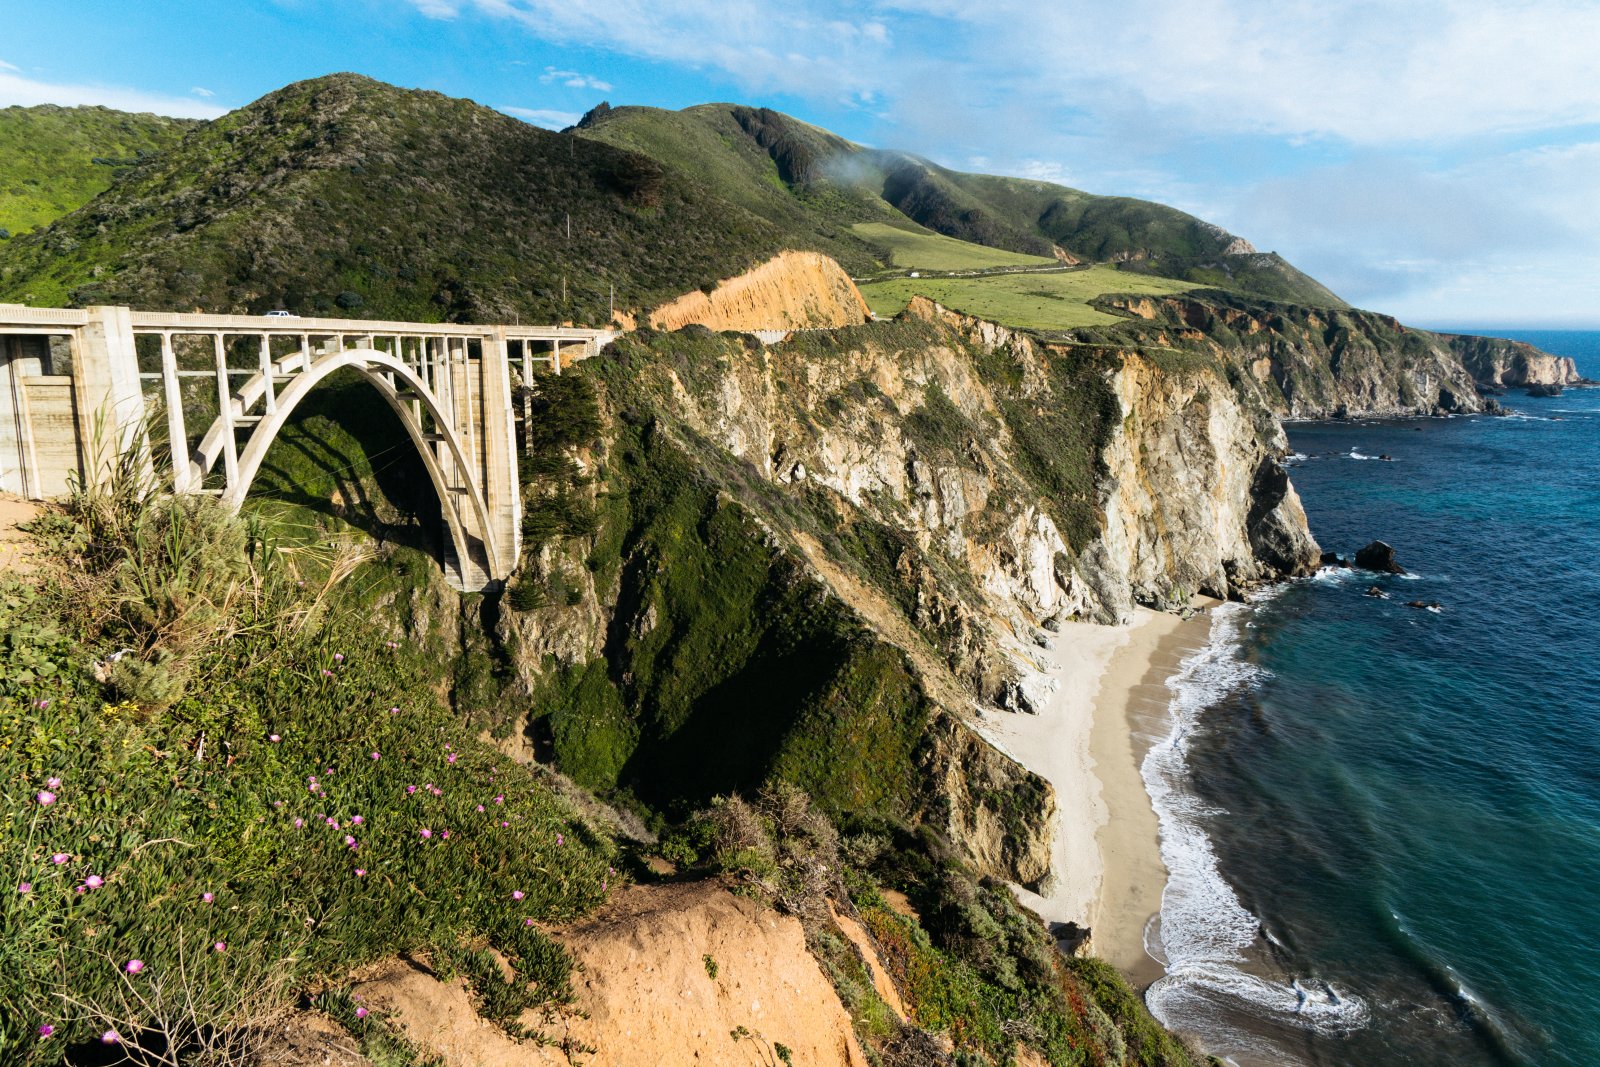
921	249
347	194
55	159
226	786
1031	301
748	155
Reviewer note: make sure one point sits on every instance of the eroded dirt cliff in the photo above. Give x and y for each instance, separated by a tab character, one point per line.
794	290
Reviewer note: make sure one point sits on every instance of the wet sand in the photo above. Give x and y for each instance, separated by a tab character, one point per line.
1131	713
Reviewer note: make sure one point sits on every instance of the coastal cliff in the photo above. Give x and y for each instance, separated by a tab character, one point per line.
1317	363
926	498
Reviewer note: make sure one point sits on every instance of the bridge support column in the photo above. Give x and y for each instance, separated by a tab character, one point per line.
109	402
502	486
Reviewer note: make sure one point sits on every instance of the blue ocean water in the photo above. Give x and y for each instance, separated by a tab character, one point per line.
1383	822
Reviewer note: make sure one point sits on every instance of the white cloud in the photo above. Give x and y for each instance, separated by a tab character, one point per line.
573	79
15	89
204	94
1185	103
1364	71
4	66
550	120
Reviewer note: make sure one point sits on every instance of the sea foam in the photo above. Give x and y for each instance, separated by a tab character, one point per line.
1205	933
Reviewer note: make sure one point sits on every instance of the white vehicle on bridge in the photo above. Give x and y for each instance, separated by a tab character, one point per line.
281	314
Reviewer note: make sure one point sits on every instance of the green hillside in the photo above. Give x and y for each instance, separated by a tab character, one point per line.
777	166
914	248
346	195
56	159
1054	301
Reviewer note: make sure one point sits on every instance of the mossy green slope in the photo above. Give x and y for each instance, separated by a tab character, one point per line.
53	160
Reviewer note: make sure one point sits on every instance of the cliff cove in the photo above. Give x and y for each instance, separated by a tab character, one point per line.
1324	721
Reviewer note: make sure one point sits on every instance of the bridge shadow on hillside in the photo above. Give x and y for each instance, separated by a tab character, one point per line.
345	455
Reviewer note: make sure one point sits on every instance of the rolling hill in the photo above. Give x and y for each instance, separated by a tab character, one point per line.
346	195
56	159
754	156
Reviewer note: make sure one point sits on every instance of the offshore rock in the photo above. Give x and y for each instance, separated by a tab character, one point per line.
1378	556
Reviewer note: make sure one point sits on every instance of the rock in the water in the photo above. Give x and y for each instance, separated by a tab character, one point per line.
1333	559
1543	389
1374	591
1430	605
1378	557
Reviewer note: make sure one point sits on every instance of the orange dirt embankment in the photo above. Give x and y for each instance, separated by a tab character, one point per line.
646	987
791	291
16	547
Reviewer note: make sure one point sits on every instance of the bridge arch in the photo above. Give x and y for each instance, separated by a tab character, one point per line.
462	502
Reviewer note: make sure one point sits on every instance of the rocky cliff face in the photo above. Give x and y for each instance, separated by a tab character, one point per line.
1495	361
794	290
910	503
1313	363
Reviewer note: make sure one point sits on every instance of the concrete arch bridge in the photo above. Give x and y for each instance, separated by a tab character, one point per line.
78	388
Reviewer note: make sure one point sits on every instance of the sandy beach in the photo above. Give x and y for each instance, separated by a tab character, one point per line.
1108	704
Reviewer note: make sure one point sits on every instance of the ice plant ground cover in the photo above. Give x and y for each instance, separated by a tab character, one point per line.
247	812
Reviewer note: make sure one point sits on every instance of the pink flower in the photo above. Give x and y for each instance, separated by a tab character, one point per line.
274	738
501	799
207	898
94	881
517	894
361	1013
480	808
133	966
299	823
527	922
59	858
25	888
350	841
505	825
450	758
45	1030
356	821
45	797
426	834
220	946
560	840
361	872
277	803
376	757
109	1038
333	822
326	673
410	789
338	657
445	834
53	783
394	711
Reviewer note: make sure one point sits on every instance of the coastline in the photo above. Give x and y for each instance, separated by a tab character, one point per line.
1132	713
1107	702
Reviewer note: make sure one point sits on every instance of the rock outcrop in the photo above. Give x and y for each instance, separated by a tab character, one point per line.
1378	556
1318	363
1497	362
794	290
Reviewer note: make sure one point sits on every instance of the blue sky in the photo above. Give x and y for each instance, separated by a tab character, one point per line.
1436	159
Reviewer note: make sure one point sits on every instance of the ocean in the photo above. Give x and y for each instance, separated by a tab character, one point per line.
1383	822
